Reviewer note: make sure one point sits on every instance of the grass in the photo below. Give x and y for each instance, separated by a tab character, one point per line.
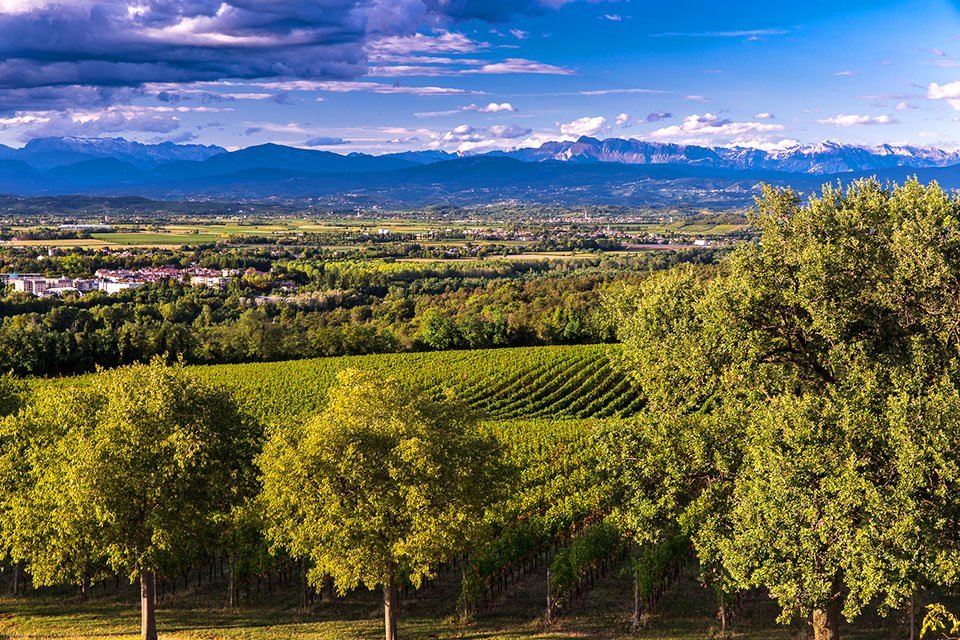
148	238
685	613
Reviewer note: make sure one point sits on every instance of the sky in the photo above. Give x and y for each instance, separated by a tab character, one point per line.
383	76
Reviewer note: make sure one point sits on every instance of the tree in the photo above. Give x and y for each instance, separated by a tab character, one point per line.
382	485
126	471
815	375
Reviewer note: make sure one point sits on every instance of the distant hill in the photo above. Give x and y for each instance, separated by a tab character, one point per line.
274	156
587	171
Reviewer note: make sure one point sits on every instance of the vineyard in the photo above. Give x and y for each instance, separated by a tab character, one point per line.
502	384
545	405
553	564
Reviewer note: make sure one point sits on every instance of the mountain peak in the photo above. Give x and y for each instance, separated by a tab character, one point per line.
53	151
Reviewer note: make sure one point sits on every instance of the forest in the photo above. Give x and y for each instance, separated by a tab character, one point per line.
779	425
334	307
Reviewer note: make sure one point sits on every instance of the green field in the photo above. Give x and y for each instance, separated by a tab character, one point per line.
524	382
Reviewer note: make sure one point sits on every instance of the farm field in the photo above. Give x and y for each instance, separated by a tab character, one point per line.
177	232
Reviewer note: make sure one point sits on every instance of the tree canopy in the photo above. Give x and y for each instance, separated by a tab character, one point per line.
801	400
382	485
126	473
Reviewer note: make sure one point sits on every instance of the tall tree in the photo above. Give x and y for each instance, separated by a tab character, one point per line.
382	485
816	371
127	470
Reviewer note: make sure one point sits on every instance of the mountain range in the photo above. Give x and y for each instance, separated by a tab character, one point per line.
585	171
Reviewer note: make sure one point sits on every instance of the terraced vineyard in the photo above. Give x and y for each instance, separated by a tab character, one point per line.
502	384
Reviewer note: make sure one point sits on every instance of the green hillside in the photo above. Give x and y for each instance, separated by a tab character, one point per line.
525	382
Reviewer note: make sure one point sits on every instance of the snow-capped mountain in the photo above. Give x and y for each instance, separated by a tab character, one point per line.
819	159
614	171
46	153
824	158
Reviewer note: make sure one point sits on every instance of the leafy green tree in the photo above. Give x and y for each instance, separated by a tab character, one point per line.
125	472
382	485
808	389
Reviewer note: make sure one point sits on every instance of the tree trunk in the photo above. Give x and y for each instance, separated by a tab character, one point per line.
465	613
304	586
549	596
231	583
913	619
390	604
723	613
148	619
826	621
16	579
636	599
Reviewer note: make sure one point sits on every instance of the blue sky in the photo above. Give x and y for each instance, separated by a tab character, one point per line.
473	75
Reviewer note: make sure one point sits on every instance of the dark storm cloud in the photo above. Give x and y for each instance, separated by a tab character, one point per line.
57	98
107	43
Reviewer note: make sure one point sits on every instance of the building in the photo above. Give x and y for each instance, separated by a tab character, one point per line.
37	284
118	286
215	282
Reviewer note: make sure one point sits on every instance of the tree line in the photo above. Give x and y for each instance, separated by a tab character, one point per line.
339	308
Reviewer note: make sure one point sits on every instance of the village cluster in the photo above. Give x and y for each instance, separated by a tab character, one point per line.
115	281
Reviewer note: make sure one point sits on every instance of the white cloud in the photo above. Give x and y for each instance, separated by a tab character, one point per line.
657	116
493	107
763	115
96	122
462	133
698	98
851	120
623	120
521	65
446	42
846	74
585	126
949	92
612	17
353	86
606	92
749	34
519	34
904	106
509	131
468	138
709	128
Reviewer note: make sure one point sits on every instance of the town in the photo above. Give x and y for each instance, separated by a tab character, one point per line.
115	281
